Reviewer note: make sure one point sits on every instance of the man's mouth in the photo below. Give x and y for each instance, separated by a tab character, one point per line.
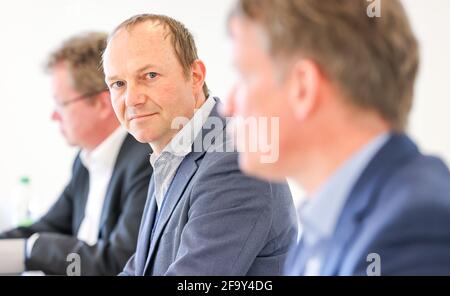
139	116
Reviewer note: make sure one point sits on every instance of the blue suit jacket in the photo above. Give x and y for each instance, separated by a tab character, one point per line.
399	209
215	220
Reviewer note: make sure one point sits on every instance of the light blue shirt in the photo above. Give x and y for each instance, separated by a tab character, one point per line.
320	214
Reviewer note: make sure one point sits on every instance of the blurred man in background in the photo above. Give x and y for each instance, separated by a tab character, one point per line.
339	75
97	215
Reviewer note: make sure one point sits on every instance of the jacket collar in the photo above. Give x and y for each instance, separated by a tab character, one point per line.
398	150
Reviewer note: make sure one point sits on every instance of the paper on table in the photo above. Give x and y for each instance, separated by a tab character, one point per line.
33	273
12	256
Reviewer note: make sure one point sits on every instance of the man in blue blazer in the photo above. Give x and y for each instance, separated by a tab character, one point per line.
340	79
203	216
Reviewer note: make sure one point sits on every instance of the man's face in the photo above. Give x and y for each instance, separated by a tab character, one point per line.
77	120
260	94
147	83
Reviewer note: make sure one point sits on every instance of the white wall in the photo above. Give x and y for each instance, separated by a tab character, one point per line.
29	30
430	118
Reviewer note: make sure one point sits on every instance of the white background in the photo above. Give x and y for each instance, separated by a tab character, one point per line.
31	144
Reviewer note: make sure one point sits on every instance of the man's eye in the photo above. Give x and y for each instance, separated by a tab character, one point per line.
152	75
117	84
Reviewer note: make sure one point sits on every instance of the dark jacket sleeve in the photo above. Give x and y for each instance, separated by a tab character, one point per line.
109	255
129	269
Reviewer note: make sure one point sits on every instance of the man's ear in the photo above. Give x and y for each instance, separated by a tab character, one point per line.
198	76
304	81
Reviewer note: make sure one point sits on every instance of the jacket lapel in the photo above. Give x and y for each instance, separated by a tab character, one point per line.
396	151
187	169
148	219
81	195
113	188
110	194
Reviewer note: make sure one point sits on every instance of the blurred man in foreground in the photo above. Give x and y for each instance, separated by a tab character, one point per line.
341	82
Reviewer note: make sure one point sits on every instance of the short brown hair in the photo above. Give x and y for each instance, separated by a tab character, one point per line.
182	40
83	55
373	60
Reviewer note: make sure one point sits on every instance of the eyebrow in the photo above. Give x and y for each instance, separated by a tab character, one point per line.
109	78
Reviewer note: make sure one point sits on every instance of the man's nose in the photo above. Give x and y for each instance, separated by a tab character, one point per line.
135	95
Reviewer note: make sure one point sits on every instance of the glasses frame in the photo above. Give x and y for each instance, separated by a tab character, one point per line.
62	105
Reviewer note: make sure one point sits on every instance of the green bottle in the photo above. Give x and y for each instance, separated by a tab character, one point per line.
22	197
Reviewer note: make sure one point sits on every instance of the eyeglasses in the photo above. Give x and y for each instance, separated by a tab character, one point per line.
61	105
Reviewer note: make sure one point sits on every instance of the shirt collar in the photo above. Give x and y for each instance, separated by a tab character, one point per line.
105	154
181	143
319	214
